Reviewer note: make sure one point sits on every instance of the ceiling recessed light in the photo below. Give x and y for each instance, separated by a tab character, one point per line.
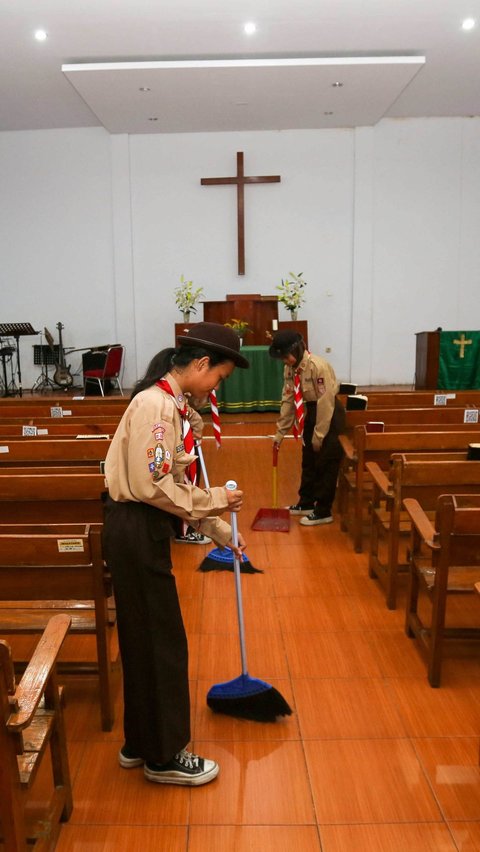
337	85
153	118
144	89
41	35
468	24
250	28
328	112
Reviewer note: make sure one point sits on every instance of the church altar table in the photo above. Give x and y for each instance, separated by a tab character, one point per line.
256	389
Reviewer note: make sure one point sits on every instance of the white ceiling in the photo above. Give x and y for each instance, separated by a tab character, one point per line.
428	65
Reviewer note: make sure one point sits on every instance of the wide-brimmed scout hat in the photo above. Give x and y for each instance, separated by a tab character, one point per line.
218	337
283	342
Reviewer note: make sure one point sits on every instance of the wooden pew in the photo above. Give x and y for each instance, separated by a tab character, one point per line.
55	429
424	481
53	408
30	727
447	417
68	451
83	421
354	481
50	469
445	560
419	399
55	498
430	427
61	567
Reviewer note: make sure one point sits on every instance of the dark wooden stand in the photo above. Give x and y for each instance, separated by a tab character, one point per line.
426	360
261	313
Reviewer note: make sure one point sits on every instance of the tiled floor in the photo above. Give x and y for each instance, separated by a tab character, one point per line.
372	760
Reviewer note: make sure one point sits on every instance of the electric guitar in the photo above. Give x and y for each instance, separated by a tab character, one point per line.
62	375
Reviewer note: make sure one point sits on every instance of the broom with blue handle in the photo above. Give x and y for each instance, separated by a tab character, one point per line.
221	558
245	697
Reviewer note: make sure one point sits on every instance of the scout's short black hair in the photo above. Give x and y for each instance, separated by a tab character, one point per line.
287	343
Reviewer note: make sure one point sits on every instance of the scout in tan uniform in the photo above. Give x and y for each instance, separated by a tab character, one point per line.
147	470
184	533
324	420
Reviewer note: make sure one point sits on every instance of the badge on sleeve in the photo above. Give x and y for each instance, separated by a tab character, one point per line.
150	453
159	455
321	385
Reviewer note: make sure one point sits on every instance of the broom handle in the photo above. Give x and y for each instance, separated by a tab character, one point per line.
231	485
274	476
202	464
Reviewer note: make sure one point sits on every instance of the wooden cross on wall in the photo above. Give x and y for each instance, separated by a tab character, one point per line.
240	180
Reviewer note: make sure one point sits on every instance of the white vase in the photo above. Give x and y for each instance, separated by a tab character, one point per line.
294	315
186	316
241	340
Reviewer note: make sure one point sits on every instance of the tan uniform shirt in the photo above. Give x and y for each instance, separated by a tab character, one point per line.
147	460
318	384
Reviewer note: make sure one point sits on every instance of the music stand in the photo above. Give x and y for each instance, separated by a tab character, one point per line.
44	356
6	354
17	330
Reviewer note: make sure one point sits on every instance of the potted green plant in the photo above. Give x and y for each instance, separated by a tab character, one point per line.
186	297
291	293
241	327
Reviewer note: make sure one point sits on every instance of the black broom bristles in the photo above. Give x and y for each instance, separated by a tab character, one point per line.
221	559
248	698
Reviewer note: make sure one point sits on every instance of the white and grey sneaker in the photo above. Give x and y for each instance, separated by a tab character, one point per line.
127	760
298	509
313	520
185	768
192	537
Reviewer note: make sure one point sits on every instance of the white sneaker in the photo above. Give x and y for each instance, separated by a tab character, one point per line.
128	760
192	537
312	520
185	768
298	509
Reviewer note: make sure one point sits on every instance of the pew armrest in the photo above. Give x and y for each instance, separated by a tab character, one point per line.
347	447
421	523
379	478
32	685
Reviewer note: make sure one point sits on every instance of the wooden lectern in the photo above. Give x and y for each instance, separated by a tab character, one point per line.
261	313
426	360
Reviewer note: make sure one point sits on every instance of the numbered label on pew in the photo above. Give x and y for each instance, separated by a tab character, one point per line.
66	545
471	415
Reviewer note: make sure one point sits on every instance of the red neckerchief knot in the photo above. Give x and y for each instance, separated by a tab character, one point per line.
187	434
217	429
299	407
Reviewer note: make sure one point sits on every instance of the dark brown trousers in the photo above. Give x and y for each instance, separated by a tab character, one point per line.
153	644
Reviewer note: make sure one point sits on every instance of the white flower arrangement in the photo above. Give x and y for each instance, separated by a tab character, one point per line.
186	297
291	291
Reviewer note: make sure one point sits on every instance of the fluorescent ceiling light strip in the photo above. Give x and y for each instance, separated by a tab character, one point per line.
245	63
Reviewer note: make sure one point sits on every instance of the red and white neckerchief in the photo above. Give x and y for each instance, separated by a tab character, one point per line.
187	434
299	407
217	431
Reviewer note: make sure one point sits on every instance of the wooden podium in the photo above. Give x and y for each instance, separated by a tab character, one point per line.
261	313
426	360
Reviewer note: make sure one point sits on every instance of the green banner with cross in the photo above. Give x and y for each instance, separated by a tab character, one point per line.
459	360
